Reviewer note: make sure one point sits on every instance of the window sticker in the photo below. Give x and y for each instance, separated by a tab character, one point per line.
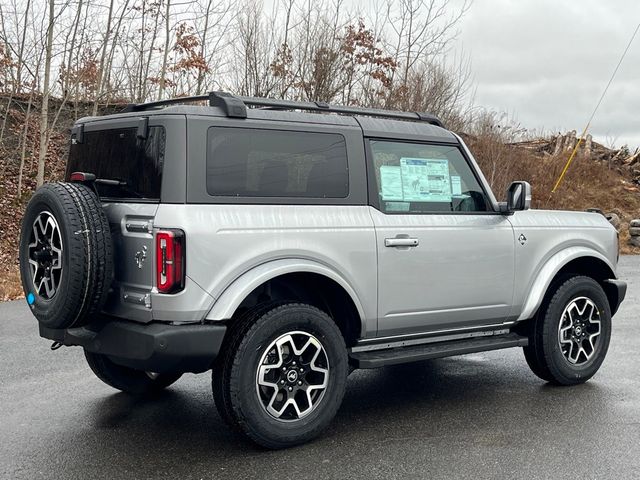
391	183
425	180
456	185
397	206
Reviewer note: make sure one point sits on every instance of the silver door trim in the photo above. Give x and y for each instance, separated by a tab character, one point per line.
444	310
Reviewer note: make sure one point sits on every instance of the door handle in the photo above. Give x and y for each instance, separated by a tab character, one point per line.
401	242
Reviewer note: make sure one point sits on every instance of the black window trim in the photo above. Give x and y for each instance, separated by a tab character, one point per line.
372	186
352	193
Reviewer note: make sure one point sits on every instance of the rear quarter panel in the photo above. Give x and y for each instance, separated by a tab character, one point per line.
226	241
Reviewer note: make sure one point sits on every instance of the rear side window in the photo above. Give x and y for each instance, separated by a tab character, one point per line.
247	162
118	155
423	178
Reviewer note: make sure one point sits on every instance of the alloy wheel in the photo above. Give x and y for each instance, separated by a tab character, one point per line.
45	255
579	330
292	376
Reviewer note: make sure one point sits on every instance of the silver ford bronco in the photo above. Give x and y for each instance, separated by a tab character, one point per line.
283	244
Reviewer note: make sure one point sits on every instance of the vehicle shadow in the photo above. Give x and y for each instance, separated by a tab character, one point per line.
180	428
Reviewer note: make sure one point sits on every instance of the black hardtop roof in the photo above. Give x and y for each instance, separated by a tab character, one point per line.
374	122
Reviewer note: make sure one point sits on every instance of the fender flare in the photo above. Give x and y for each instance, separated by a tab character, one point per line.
546	274
231	298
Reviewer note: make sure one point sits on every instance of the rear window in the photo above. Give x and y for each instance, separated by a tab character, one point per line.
246	162
117	154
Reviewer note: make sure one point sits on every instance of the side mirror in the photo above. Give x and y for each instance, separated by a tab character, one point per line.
518	198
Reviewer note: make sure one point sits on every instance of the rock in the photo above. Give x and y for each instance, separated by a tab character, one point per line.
570	140
558	147
634	231
614	219
635	241
635	223
588	145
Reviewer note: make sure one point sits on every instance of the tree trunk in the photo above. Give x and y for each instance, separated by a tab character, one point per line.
4	117
202	48
106	88
23	148
44	117
103	55
163	72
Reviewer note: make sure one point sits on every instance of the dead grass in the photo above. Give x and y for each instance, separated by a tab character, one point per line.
588	183
10	286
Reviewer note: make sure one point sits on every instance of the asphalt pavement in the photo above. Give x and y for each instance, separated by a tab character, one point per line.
477	416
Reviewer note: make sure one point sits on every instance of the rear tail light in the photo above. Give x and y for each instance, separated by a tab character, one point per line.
170	261
82	177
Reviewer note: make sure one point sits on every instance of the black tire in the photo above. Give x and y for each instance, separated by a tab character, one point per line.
221	371
546	357
240	401
86	258
129	380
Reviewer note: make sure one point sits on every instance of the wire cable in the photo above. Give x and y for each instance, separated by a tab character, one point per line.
584	132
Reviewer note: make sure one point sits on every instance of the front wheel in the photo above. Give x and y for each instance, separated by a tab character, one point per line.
286	377
571	334
129	380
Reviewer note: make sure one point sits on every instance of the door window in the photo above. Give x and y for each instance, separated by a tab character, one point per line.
423	178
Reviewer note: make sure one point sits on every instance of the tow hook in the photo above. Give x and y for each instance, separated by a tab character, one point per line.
55	345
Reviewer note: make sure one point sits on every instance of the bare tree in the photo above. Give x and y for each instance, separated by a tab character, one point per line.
103	56
422	30
44	116
97	52
167	38
216	34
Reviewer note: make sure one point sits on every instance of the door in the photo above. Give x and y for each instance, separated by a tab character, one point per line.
445	258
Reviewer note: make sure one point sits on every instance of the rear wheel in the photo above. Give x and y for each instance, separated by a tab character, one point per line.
284	379
571	334
129	380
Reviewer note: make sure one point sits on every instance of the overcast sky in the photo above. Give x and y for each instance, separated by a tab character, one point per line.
546	62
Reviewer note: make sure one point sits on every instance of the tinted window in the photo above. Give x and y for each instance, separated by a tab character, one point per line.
119	155
419	178
275	163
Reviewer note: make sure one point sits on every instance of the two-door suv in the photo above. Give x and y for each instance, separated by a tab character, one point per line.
282	244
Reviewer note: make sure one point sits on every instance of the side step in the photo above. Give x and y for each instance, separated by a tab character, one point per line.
393	356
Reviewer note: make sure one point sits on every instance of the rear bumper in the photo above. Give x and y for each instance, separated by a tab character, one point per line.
616	291
155	347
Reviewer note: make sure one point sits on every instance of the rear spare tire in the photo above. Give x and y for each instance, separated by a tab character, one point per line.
66	255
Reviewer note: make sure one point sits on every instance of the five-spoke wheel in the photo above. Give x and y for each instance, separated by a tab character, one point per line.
292	376
579	330
45	255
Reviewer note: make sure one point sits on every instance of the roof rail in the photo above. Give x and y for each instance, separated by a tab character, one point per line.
141	107
235	106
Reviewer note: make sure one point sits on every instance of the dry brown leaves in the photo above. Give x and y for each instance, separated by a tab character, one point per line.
12	207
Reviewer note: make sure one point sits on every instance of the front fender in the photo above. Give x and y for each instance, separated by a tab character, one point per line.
232	296
549	271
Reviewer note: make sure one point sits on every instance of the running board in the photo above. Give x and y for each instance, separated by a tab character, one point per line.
393	356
